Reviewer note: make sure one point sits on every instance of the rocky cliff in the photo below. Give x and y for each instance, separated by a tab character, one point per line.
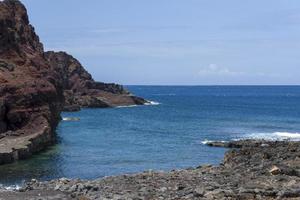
35	87
30	95
80	90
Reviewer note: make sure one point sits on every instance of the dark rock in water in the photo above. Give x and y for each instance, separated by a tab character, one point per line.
36	86
246	173
239	143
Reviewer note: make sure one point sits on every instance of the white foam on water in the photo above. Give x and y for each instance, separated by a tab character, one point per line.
152	103
275	136
129	106
206	141
210	141
70	119
148	103
288	135
12	188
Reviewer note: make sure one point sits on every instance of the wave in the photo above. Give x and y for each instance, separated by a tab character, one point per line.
275	136
287	134
148	103
11	187
206	141
71	119
129	106
210	141
152	103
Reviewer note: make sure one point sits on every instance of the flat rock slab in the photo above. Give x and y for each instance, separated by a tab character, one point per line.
21	147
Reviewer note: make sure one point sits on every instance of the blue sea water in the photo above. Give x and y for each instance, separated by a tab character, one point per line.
167	136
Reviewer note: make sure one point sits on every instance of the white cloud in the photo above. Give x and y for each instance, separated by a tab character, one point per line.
213	70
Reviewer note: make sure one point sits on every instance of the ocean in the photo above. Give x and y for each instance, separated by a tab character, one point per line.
168	134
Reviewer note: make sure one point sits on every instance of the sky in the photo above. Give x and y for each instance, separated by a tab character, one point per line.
176	42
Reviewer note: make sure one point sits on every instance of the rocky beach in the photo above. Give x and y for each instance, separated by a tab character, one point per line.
251	170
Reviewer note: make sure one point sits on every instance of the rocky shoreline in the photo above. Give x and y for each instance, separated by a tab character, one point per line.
254	170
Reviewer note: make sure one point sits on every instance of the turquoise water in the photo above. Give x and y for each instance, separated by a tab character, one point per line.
162	137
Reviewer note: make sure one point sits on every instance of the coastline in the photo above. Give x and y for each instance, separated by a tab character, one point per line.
253	169
23	143
36	86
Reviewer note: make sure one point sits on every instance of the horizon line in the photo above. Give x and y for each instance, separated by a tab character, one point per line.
213	85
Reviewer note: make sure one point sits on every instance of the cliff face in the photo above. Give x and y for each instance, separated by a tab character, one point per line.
28	86
30	96
35	86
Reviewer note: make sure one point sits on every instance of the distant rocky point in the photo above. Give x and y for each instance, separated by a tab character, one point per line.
80	90
35	86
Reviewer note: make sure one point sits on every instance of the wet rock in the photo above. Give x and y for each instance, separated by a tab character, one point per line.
239	143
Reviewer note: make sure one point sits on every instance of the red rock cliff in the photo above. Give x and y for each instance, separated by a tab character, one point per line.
80	90
30	96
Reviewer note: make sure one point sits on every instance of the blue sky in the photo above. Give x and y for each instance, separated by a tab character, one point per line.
176	42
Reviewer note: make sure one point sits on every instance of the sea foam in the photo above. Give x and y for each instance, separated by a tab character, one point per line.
72	119
129	106
210	141
288	135
152	103
148	103
206	141
274	136
11	187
